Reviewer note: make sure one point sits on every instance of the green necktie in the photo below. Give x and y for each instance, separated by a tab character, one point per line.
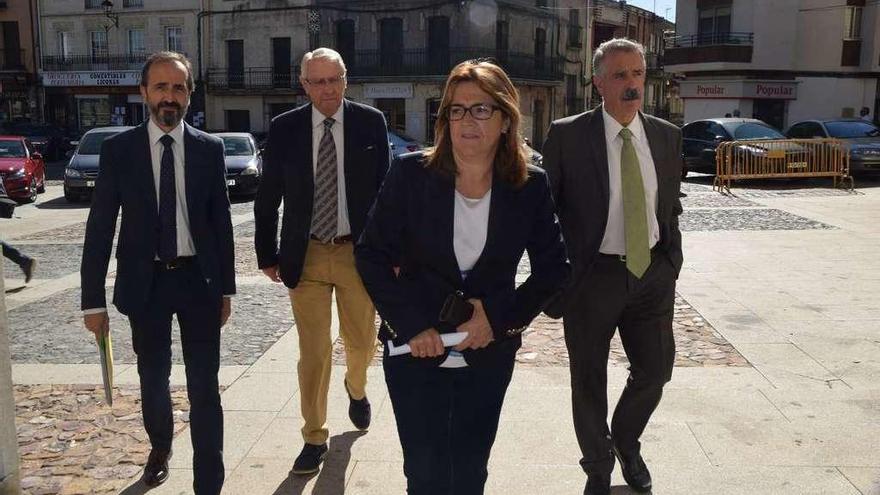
635	218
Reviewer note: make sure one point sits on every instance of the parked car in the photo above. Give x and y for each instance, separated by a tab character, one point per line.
82	170
701	138
49	140
400	143
861	138
244	165
22	169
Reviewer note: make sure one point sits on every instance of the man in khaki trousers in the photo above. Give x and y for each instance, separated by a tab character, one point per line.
326	160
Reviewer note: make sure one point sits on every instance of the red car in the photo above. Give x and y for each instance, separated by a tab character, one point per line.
21	168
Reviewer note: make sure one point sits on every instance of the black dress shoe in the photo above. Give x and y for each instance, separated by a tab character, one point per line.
598	484
156	470
634	470
358	410
309	460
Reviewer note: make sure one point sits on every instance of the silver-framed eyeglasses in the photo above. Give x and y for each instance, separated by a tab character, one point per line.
324	82
479	111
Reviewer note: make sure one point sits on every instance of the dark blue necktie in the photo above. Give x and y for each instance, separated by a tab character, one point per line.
167	203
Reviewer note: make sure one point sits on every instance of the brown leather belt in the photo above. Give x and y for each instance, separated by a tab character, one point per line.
179	262
343	239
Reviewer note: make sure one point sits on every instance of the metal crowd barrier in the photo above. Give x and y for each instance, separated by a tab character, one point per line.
781	158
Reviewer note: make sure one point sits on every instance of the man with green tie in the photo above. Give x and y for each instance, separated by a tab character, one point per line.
615	175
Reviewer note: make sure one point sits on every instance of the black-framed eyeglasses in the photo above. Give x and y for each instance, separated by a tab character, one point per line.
479	111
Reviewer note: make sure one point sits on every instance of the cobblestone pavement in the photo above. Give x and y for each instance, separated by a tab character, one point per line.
71	443
51	331
74	232
53	260
696	344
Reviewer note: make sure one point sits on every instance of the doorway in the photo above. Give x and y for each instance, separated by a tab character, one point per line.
395	112
770	111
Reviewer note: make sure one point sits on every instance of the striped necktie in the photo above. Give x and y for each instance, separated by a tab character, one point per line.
324	212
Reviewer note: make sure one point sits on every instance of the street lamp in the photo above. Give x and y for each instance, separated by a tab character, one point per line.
107	5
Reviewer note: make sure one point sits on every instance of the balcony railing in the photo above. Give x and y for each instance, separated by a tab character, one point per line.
707	39
11	59
708	48
93	4
366	64
132	3
131	61
252	78
422	62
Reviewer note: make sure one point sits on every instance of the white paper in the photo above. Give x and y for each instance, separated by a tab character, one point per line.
449	340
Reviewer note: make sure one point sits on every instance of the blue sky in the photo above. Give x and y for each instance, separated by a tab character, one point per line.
662	5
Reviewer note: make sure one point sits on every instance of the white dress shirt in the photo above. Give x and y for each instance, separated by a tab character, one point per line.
614	241
343	227
185	245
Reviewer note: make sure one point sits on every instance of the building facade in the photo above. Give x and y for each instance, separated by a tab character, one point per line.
398	54
93	52
780	61
18	61
615	19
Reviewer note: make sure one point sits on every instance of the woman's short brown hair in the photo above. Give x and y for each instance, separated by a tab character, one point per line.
510	158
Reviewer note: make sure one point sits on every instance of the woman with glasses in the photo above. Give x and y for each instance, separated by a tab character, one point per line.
439	257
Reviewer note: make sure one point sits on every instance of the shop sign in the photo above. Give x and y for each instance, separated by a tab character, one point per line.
739	89
92	78
388	90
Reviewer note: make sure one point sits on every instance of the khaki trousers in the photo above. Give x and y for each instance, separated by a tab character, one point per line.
328	267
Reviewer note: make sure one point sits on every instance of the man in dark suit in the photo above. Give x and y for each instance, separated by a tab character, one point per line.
615	175
326	160
174	256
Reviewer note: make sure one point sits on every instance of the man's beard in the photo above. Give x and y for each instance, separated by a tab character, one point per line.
168	114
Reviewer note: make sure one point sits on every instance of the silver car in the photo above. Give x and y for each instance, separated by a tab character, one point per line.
82	170
244	163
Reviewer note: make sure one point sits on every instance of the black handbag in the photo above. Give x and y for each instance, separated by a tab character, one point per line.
456	310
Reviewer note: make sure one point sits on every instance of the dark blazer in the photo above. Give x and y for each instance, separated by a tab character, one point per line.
411	226
126	182
288	174
576	160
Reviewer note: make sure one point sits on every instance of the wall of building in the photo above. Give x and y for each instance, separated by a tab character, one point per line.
704	108
825	97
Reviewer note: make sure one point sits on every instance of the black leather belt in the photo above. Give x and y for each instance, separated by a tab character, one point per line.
179	262
343	239
622	257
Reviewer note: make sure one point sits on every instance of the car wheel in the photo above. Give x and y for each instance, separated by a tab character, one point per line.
69	196
33	191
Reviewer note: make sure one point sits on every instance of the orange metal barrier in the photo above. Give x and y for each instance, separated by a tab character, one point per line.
781	158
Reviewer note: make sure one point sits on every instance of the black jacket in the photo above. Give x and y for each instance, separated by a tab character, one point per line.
126	183
288	174
411	226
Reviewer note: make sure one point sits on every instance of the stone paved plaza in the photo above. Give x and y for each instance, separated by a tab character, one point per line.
775	388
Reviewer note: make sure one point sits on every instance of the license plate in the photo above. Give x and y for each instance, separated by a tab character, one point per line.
230	182
90	183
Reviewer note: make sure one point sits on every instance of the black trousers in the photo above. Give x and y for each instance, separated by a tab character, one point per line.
611	297
14	255
446	419
183	292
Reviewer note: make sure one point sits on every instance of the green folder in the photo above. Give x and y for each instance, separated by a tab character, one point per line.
105	349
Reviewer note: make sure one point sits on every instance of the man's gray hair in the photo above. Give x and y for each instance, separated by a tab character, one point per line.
322	53
615	45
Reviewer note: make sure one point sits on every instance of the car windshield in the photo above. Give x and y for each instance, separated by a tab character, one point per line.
237	146
91	143
851	129
11	149
398	138
756	131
